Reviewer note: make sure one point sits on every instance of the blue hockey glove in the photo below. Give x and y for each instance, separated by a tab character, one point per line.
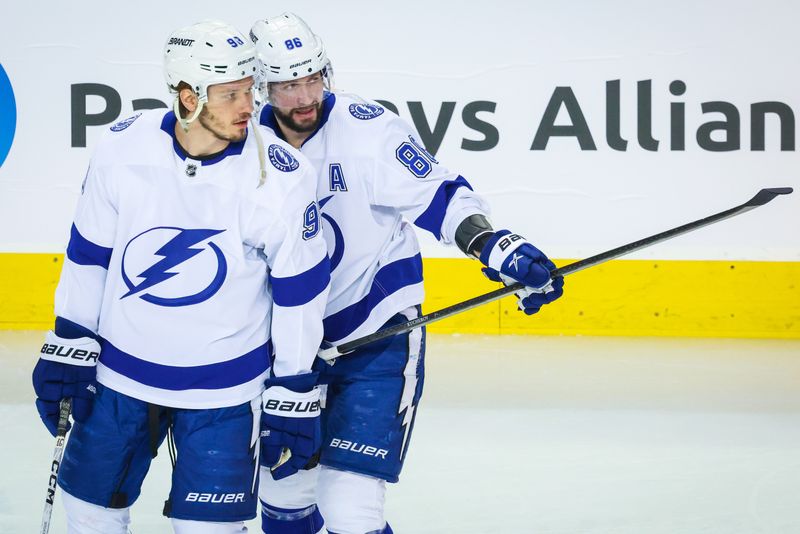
66	369
291	434
509	259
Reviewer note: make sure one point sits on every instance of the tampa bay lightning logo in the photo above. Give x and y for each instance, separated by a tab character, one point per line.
365	111
185	274
338	236
8	115
121	125
282	159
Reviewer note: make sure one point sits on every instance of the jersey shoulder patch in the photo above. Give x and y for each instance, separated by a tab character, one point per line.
282	159
364	111
121	125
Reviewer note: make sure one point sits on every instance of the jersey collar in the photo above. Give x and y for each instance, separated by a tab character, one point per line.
233	149
268	118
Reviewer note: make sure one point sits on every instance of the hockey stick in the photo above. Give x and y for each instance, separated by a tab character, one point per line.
61	436
761	198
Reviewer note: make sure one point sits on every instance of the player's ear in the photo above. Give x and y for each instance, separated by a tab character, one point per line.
188	99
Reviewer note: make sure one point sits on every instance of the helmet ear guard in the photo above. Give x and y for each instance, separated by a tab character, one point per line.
206	53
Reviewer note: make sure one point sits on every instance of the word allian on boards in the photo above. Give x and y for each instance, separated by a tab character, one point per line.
713	135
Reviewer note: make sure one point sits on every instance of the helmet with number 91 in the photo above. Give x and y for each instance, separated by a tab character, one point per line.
204	54
289	50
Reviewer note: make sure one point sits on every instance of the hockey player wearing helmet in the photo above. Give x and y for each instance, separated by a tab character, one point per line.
295	75
374	181
190	301
220	101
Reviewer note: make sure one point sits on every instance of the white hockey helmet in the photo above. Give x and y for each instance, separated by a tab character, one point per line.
207	53
289	50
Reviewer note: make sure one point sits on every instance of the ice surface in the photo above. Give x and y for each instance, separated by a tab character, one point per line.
546	435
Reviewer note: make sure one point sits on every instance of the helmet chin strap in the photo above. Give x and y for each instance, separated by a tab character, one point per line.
261	157
185	122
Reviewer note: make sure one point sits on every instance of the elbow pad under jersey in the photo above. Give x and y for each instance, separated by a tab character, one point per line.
472	234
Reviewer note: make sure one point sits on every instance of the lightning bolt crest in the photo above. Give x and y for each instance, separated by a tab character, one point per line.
406	406
408	417
176	251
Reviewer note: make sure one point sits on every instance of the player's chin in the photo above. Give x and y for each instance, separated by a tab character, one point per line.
238	133
307	125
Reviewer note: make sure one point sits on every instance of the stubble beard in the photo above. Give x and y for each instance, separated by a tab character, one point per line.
210	123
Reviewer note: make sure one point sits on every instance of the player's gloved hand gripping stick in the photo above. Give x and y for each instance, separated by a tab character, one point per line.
762	197
510	259
64	382
66	369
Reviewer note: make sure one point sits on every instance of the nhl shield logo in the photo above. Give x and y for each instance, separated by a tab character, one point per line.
191	170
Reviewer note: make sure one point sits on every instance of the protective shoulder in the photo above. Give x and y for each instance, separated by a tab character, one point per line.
286	201
370	122
134	140
405	175
289	174
131	139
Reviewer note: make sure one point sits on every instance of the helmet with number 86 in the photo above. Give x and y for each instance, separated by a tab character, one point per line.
289	50
204	54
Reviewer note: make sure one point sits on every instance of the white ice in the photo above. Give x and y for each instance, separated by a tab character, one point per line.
545	435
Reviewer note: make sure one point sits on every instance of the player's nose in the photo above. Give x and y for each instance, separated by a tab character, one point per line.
247	106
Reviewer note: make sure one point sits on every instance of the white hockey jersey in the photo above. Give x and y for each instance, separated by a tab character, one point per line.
374	177
189	272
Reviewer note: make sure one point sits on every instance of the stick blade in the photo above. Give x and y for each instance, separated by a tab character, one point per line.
767	194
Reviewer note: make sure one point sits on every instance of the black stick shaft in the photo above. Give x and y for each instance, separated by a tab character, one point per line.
761	198
61	435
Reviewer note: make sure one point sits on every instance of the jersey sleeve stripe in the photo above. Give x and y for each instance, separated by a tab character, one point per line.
389	279
83	252
221	375
71	330
433	216
301	288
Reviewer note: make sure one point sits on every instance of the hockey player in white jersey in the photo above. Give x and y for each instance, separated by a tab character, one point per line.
374	181
195	261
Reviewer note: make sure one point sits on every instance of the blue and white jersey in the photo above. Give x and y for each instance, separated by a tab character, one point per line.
374	178
189	272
